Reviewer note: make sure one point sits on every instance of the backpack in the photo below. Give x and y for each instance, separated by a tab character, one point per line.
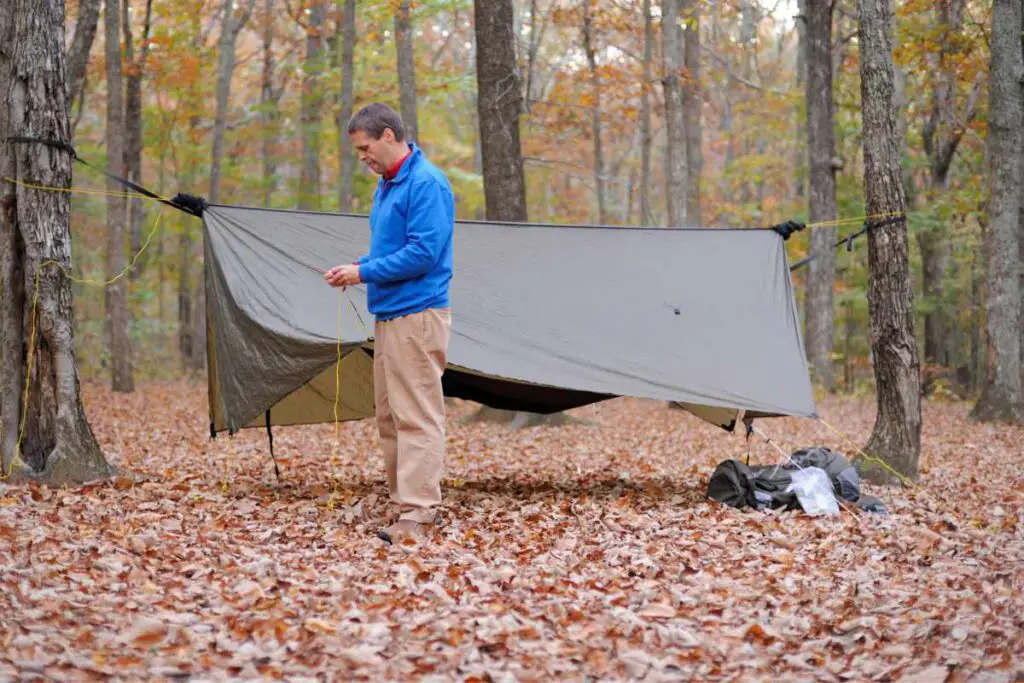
761	486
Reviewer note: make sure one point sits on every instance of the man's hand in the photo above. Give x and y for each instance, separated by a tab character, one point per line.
343	276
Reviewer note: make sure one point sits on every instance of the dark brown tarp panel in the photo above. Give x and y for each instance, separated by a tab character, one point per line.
544	318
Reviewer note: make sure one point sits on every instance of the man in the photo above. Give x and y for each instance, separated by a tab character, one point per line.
407	273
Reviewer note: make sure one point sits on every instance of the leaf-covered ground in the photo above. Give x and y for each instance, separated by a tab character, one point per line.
570	553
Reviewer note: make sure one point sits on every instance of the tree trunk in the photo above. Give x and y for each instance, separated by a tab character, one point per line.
941	135
309	180
346	102
675	144
230	27
900	102
270	110
801	82
133	126
935	258
1001	397
692	104
186	335
118	316
851	330
78	51
406	70
498	105
977	306
646	215
818	304
896	438
52	440
595	111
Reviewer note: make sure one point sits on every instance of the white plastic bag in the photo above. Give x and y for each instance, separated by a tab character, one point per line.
813	489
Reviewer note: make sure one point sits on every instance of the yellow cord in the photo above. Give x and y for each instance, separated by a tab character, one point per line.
854	219
79	190
906	481
33	325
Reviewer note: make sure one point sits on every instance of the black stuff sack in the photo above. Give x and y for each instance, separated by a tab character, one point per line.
765	486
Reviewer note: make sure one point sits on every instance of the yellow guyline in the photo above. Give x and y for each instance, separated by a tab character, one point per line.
855	219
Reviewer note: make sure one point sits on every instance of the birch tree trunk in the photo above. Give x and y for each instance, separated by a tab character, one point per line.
646	215
309	180
896	437
116	300
675	144
78	51
595	111
691	102
406	70
52	440
346	102
230	27
818	303
1001	397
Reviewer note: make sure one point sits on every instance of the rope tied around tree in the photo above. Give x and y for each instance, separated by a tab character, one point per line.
871	222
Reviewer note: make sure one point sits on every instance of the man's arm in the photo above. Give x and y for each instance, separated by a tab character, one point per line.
429	226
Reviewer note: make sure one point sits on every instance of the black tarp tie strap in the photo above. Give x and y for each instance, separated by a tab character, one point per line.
848	240
189	204
270	438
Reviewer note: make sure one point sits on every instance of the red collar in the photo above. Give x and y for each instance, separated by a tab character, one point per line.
396	167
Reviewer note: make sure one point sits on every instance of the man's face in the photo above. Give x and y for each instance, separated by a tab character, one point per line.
374	153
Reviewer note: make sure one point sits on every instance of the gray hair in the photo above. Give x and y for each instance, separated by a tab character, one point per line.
374	118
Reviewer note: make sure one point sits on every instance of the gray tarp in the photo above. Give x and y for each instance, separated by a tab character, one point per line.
545	318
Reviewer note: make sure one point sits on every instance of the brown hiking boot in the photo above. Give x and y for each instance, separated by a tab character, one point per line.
403	529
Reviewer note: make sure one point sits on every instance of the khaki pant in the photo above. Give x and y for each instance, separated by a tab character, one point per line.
410	354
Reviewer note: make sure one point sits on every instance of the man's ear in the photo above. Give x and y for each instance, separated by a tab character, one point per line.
388	135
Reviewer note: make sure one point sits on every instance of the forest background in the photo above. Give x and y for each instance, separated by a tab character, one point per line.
243	101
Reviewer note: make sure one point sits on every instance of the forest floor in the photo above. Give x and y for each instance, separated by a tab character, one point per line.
568	553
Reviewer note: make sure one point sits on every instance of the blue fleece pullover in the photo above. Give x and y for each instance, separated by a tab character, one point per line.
412	223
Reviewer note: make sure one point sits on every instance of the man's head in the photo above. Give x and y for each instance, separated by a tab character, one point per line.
377	133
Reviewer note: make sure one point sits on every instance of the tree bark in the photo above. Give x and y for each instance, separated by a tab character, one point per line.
818	303
406	70
498	106
81	45
675	144
1001	397
118	315
595	111
270	109
801	82
692	104
52	440
133	126
896	437
230	27
346	102
941	135
312	98
646	215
